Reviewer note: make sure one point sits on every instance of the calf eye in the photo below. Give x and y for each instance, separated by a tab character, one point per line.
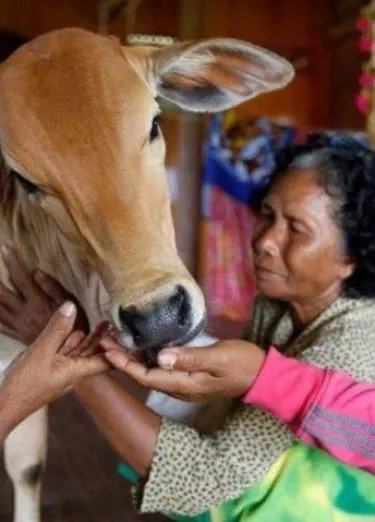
155	128
27	185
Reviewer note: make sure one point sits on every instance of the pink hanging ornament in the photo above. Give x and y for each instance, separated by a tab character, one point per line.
363	103
366	79
365	44
363	24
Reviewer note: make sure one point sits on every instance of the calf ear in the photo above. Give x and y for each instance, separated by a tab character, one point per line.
214	75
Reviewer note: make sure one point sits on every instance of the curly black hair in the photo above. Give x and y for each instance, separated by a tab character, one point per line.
345	168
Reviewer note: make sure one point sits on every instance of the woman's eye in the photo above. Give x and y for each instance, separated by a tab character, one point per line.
295	227
27	185
155	128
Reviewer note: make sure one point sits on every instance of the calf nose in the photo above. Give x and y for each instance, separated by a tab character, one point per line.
160	323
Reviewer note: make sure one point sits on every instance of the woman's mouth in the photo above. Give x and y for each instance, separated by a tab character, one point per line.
266	274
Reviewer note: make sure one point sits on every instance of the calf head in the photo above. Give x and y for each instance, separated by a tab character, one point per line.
83	183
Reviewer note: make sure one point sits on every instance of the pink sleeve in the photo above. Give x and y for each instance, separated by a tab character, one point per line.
286	387
324	408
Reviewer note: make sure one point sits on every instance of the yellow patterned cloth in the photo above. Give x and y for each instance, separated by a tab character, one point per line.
305	485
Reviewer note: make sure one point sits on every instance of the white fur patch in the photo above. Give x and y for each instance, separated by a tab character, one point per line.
174	409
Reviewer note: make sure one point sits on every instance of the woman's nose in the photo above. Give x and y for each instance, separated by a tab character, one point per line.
268	241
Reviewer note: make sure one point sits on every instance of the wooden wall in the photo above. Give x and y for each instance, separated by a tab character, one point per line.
30	18
279	25
341	40
318	33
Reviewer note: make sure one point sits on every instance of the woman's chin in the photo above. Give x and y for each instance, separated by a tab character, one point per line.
271	289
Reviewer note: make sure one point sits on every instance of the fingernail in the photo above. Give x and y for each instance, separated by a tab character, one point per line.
67	309
5	250
167	359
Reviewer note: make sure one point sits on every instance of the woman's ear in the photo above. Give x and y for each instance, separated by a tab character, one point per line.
215	75
347	269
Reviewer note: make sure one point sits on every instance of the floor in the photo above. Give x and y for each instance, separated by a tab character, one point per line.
80	483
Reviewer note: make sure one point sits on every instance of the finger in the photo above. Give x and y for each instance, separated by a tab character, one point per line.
87	367
51	287
170	382
20	277
10	299
205	359
6	316
72	342
110	343
9	331
58	329
90	344
186	398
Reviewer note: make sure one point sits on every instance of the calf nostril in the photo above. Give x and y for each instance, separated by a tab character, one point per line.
184	307
182	320
129	317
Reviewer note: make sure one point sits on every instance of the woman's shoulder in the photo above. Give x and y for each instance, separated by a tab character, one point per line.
354	316
344	339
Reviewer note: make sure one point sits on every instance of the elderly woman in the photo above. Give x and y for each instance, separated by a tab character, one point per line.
314	252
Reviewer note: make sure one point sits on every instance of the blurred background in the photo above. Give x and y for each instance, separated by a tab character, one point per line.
215	167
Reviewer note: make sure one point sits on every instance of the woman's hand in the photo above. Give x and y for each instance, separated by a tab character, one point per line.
53	365
227	368
26	310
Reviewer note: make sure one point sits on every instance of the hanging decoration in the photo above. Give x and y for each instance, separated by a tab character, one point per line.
150	39
365	26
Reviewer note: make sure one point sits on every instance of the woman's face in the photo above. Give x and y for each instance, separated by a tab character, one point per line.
298	248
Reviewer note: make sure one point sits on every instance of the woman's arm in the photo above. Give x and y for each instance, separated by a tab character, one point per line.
274	388
331	410
8	420
131	428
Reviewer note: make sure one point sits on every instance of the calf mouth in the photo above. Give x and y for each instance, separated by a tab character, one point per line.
149	356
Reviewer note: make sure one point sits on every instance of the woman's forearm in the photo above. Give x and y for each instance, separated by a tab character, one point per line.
131	428
5	428
10	416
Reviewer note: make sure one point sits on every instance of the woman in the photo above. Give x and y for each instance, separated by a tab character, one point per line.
314	251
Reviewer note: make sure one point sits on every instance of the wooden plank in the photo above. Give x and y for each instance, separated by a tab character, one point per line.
341	29
187	209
